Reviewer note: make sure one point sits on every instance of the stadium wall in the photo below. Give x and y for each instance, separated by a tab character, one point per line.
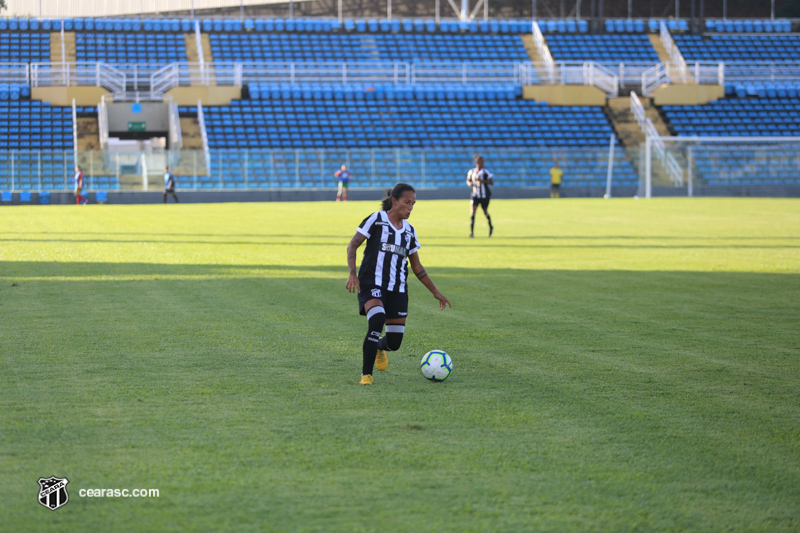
688	94
63	96
321	195
565	94
317	195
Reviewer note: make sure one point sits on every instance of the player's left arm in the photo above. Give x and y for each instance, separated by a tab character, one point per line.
489	178
422	275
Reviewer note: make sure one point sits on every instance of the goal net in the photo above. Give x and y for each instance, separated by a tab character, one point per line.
720	166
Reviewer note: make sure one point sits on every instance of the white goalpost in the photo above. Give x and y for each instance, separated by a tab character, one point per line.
719	166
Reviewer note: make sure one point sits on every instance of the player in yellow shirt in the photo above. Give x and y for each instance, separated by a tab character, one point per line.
555	180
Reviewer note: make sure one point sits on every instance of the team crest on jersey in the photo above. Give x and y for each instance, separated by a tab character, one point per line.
376	293
53	492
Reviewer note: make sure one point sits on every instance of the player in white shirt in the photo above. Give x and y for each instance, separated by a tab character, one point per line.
479	178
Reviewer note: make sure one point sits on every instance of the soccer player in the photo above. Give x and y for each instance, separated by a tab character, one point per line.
344	176
381	280
479	178
78	179
169	185
555	180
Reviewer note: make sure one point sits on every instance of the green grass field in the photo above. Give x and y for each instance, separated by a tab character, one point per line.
620	366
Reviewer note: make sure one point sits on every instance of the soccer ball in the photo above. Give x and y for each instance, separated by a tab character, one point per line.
436	365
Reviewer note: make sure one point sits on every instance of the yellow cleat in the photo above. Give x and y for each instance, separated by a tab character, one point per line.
366	379
381	361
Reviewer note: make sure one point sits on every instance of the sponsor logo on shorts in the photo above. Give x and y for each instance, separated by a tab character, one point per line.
402	314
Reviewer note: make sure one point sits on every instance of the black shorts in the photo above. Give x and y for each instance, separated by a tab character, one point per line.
555	186
483	202
394	303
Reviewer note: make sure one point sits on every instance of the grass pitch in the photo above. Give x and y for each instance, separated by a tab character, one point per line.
620	366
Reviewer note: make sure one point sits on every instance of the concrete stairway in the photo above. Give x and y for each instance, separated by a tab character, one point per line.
533	53
630	133
190	130
663	56
655	40
70	54
193	55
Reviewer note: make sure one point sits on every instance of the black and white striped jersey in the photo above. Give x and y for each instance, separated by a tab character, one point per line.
479	189
385	262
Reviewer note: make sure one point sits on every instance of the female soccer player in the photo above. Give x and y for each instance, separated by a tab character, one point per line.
78	180
344	177
479	178
381	280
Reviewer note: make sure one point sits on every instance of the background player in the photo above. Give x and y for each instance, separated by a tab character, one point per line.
381	280
556	174
78	179
344	176
479	179
169	185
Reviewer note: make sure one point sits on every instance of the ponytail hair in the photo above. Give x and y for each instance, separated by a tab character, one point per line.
395	192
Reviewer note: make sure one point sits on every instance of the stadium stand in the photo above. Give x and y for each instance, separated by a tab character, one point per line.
273	135
300	124
24	47
34	125
366	47
602	48
737	117
749	26
130	47
275	129
735	47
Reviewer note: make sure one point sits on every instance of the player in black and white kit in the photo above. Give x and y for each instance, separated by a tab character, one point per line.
479	179
381	282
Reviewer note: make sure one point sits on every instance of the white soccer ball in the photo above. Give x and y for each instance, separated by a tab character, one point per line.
436	365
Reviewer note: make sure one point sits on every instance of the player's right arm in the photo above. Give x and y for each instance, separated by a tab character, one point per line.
353	284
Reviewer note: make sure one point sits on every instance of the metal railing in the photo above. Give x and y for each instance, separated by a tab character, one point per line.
74	126
160	78
166	78
543	49
102	123
77	73
176	136
201	121
637	109
673	51
697	73
258	169
629	73
15	73
673	168
655	77
761	71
